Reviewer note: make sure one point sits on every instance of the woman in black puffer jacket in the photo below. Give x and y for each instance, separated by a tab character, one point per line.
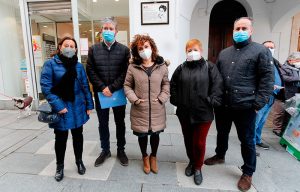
196	87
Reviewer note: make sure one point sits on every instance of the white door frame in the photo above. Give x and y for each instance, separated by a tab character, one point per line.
27	37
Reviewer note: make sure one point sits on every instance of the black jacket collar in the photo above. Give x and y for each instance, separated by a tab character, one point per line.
242	44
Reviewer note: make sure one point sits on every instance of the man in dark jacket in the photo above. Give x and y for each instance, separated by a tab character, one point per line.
247	71
106	68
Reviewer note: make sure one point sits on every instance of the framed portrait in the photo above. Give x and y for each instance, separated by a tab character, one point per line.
155	13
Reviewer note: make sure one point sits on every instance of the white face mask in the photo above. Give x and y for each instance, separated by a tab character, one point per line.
272	51
193	56
145	54
297	65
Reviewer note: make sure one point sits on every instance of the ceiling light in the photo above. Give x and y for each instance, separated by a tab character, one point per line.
79	24
45	26
95	1
117	0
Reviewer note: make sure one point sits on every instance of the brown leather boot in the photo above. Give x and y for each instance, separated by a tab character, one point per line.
146	164
153	164
244	183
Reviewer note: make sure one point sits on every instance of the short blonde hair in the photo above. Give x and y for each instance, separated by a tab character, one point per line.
193	42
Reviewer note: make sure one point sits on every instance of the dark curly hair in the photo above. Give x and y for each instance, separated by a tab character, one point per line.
139	40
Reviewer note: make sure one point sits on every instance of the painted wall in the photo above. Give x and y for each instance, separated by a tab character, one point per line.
165	36
11	50
263	28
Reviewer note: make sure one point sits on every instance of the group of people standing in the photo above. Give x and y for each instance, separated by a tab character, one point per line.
233	90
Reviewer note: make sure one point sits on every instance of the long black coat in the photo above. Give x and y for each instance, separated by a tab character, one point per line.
107	67
196	87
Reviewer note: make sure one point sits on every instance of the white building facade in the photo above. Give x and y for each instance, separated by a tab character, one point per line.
210	21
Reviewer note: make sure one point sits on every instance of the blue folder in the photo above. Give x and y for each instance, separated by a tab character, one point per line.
118	98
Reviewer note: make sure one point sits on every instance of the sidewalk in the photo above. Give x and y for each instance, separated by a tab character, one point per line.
27	162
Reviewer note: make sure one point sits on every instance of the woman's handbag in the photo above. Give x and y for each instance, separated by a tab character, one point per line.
46	115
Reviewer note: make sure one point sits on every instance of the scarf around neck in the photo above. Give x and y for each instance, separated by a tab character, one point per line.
65	88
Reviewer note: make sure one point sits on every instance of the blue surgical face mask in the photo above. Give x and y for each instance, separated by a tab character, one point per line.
109	36
240	36
68	52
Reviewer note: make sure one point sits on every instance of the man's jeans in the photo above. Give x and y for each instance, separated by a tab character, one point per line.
261	118
244	121
103	118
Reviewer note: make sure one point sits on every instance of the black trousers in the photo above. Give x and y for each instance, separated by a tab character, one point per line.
244	121
103	118
60	146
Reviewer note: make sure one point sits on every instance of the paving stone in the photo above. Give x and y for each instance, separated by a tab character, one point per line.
12	182
5	132
134	172
25	163
75	185
213	177
176	139
32	146
48	148
28	123
13	138
7	118
21	143
172	188
92	173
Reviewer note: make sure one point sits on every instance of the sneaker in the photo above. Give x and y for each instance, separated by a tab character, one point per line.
122	157
189	170
102	157
262	145
214	160
245	182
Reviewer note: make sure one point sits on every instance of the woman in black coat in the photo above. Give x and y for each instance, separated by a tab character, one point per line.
196	87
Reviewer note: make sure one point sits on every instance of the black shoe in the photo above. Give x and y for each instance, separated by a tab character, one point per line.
122	157
278	133
81	167
198	177
262	145
59	175
189	170
103	155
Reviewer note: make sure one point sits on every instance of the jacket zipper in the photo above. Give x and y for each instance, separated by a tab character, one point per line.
189	92
149	97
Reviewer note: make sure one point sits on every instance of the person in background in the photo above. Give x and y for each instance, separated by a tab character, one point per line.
248	74
106	68
290	71
196	87
278	94
147	87
65	86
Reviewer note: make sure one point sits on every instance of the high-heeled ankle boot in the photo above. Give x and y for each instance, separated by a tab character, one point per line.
81	167
59	175
153	164
146	164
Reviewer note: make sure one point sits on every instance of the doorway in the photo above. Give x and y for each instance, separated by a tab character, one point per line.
221	22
